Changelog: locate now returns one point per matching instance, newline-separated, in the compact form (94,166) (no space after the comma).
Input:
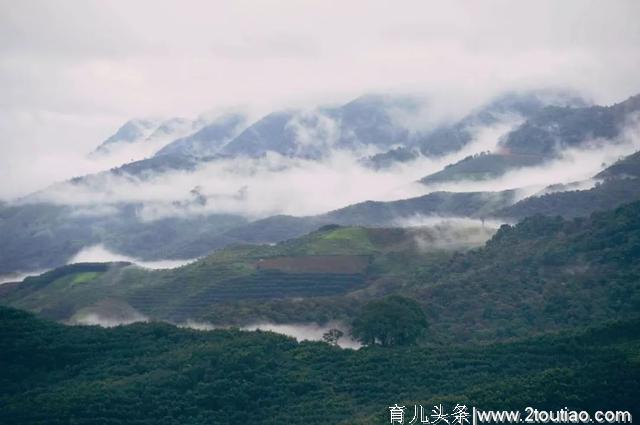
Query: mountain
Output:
(553,129)
(144,136)
(365,121)
(618,188)
(171,128)
(614,186)
(544,313)
(375,122)
(543,137)
(330,261)
(625,168)
(435,204)
(278,228)
(131,132)
(451,137)
(208,140)
(43,232)
(40,235)
(481,166)
(543,274)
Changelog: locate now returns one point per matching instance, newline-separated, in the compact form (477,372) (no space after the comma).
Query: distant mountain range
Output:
(39,232)
(544,136)
(616,185)
(146,133)
(455,136)
(208,140)
(38,236)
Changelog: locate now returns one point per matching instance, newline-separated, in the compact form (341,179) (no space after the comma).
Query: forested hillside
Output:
(160,374)
(545,273)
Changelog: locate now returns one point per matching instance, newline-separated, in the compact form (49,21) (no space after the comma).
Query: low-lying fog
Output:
(300,331)
(100,254)
(449,233)
(269,185)
(276,184)
(19,276)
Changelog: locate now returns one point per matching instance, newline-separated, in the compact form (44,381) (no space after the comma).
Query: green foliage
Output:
(390,321)
(85,277)
(483,166)
(603,196)
(159,374)
(332,336)
(543,274)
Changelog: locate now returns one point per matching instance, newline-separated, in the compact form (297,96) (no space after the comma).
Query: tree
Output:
(332,336)
(393,320)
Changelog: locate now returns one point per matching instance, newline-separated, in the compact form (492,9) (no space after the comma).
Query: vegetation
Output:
(523,321)
(543,274)
(327,263)
(576,203)
(159,374)
(332,336)
(390,321)
(483,166)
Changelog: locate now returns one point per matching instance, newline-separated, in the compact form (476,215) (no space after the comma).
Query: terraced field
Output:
(341,264)
(170,303)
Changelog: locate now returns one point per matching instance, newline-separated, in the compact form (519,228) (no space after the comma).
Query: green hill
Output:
(329,262)
(542,274)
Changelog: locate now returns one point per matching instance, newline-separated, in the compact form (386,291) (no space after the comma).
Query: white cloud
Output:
(307,332)
(72,72)
(574,165)
(19,276)
(100,254)
(274,184)
(450,233)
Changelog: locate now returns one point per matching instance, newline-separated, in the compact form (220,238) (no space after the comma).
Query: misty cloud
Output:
(572,170)
(306,332)
(299,331)
(269,185)
(94,319)
(70,73)
(100,254)
(450,233)
(19,276)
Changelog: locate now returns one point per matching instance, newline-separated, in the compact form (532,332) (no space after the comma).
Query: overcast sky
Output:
(72,71)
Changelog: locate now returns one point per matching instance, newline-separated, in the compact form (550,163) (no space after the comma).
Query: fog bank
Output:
(100,254)
(301,331)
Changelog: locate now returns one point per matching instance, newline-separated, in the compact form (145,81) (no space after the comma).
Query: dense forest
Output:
(156,373)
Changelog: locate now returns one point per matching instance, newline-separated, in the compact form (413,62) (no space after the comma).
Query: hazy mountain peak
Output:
(132,131)
(209,138)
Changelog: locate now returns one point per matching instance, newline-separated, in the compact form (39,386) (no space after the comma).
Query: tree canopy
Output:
(393,320)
